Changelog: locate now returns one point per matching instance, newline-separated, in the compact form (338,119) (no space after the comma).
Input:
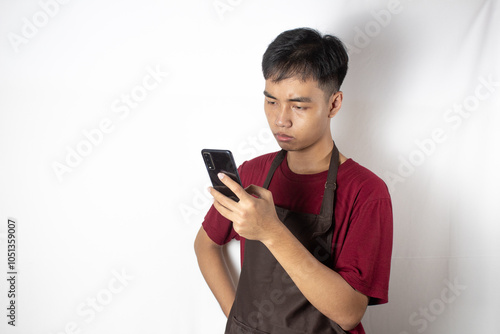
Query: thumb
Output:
(257,191)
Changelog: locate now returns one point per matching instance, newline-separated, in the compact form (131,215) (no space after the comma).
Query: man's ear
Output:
(334,103)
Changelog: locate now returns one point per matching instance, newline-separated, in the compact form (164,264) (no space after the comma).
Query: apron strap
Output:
(327,205)
(276,162)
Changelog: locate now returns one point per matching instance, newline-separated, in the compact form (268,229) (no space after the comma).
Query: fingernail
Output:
(220,175)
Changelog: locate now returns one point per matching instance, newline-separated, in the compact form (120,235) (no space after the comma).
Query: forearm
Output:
(215,271)
(322,286)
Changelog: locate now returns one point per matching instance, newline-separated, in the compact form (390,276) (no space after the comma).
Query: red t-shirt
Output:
(362,238)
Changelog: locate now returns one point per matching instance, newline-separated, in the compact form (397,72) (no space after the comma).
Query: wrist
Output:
(275,233)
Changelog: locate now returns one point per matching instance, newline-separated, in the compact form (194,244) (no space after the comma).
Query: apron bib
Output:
(267,300)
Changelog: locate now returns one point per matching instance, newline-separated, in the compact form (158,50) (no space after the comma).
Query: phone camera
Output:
(208,161)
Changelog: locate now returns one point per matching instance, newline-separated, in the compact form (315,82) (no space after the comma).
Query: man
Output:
(315,227)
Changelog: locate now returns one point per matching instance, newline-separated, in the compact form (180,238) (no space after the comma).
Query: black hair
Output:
(306,54)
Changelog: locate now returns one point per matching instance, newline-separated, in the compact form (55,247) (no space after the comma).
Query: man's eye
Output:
(299,107)
(270,102)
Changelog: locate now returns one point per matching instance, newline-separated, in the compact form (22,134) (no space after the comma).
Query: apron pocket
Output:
(237,327)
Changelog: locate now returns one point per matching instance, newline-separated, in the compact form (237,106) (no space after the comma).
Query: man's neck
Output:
(312,160)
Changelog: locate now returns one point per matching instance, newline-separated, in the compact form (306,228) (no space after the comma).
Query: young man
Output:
(315,227)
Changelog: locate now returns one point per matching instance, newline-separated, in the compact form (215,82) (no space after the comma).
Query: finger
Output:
(225,201)
(225,212)
(233,185)
(257,191)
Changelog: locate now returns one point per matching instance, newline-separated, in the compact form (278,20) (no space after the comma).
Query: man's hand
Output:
(254,216)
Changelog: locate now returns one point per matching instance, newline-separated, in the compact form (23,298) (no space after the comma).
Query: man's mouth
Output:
(282,137)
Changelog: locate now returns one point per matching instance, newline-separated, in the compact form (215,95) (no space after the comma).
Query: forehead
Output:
(294,87)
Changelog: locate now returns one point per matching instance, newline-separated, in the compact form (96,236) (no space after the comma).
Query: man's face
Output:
(298,113)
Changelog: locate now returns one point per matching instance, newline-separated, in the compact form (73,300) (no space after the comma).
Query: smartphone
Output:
(221,161)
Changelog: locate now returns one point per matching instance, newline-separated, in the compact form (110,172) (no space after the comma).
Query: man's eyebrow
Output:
(295,99)
(300,99)
(269,95)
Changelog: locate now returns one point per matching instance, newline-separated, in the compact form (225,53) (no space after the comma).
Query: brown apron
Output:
(267,300)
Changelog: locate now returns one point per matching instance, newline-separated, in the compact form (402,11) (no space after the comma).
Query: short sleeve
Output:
(218,228)
(365,259)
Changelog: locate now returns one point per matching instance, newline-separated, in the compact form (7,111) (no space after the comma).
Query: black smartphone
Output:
(221,161)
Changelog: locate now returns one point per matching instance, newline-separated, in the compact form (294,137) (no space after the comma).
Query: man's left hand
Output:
(254,216)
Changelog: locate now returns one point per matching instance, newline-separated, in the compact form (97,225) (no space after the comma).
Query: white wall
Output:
(417,112)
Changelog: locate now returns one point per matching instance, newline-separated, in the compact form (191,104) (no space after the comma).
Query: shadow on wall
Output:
(374,94)
(373,79)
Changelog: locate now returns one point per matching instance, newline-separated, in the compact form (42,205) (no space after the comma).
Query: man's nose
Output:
(283,117)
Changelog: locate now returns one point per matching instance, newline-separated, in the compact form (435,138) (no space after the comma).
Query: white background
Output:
(131,206)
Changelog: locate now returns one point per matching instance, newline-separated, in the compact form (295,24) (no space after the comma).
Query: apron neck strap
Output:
(331,181)
(327,205)
(276,162)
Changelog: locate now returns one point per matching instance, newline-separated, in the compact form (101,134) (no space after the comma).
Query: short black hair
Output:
(306,54)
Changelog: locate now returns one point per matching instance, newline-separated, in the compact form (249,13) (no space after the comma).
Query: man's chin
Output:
(287,146)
